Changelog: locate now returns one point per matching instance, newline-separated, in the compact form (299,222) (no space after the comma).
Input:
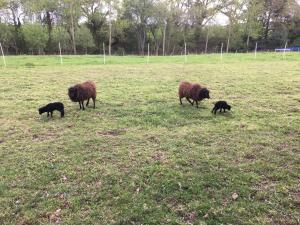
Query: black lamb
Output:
(51,107)
(221,105)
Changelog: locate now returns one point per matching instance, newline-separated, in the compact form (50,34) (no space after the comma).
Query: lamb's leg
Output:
(94,101)
(190,101)
(213,110)
(88,101)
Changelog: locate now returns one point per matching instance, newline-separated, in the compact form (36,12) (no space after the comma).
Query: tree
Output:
(47,11)
(6,36)
(233,9)
(84,39)
(95,15)
(60,35)
(36,37)
(138,13)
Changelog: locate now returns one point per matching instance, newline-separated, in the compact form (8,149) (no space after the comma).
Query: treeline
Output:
(127,26)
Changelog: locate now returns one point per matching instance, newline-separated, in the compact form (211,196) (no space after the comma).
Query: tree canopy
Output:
(126,26)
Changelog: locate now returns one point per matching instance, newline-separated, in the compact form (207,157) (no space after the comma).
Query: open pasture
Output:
(140,157)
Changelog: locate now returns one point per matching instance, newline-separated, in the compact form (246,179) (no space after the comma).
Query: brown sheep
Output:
(192,91)
(81,92)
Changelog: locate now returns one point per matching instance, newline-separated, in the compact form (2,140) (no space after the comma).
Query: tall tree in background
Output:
(253,27)
(233,9)
(46,11)
(95,13)
(14,14)
(70,15)
(138,13)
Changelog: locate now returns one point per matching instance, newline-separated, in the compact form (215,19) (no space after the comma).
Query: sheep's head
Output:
(204,93)
(228,107)
(73,93)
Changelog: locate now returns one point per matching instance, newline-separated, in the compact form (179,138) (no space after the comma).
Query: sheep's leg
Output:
(215,111)
(51,113)
(192,103)
(197,104)
(221,110)
(47,114)
(180,101)
(94,101)
(88,101)
(79,104)
(82,103)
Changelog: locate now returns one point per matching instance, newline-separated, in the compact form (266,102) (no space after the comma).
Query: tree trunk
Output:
(73,30)
(49,27)
(248,38)
(164,38)
(206,43)
(267,26)
(228,39)
(110,25)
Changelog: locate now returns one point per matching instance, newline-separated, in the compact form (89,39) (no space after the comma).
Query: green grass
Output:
(140,157)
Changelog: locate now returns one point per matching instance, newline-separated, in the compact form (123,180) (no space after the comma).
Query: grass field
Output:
(140,157)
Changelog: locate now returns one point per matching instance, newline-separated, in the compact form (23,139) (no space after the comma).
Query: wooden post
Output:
(185,56)
(3,55)
(148,57)
(222,52)
(255,52)
(104,60)
(61,60)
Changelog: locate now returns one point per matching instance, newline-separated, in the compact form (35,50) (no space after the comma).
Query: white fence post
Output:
(3,55)
(284,50)
(222,52)
(185,56)
(148,57)
(255,52)
(61,60)
(104,60)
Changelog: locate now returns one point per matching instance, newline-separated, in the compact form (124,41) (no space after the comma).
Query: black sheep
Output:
(51,107)
(219,106)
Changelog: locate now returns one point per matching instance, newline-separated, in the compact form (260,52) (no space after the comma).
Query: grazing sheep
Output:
(192,91)
(219,106)
(81,92)
(51,107)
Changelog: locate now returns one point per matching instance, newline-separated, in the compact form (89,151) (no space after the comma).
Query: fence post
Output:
(148,56)
(284,50)
(185,56)
(61,60)
(222,52)
(3,55)
(104,59)
(255,52)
